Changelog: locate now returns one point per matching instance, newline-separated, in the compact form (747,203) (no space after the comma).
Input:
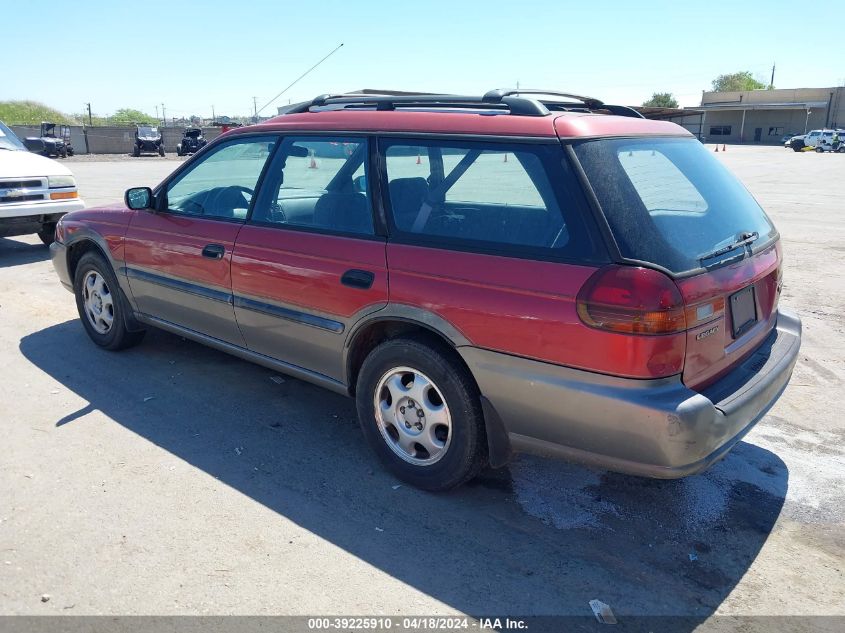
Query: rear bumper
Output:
(654,428)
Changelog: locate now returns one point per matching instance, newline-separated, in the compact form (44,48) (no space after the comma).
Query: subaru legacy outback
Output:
(521,271)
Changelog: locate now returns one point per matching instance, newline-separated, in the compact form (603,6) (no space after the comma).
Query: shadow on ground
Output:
(16,253)
(543,538)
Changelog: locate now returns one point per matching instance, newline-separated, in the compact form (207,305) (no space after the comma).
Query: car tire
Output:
(101,304)
(819,150)
(447,445)
(136,152)
(47,233)
(161,150)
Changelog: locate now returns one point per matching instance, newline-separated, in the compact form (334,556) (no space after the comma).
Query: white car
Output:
(34,191)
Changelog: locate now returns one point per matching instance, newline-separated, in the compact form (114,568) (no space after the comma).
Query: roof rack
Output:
(508,101)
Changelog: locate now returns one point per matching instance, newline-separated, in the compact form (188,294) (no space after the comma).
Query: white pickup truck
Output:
(34,191)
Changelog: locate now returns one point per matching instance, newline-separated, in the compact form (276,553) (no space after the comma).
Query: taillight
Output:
(631,300)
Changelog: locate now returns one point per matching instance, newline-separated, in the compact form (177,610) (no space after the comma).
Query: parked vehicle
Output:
(147,140)
(788,137)
(795,143)
(50,144)
(521,271)
(34,191)
(192,141)
(831,142)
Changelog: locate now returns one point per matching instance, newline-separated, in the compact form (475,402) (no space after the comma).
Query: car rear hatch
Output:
(672,206)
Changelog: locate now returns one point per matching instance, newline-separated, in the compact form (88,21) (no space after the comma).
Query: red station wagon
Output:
(523,271)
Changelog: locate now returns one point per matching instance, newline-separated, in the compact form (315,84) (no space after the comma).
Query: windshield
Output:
(8,140)
(146,130)
(669,201)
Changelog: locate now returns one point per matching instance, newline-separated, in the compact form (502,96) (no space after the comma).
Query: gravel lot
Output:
(173,479)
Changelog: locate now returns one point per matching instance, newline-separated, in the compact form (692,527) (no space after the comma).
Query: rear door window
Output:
(501,197)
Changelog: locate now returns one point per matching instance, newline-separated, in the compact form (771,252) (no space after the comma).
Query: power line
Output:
(337,48)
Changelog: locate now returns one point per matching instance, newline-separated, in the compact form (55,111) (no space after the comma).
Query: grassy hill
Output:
(31,113)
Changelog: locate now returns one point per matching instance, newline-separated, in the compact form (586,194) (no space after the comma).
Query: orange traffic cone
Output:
(717,148)
(313,163)
(724,149)
(418,160)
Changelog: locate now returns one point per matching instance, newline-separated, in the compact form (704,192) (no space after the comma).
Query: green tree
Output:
(126,116)
(662,100)
(742,80)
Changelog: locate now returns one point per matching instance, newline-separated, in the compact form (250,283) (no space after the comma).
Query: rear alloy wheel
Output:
(421,414)
(412,417)
(101,305)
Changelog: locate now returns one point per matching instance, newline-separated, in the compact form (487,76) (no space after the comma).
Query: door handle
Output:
(358,279)
(213,251)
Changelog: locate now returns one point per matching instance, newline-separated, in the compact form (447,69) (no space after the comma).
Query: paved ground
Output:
(172,479)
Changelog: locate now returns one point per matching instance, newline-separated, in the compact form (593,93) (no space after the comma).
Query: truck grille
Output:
(16,190)
(24,198)
(20,184)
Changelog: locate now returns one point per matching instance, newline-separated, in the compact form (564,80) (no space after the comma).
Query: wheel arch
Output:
(90,242)
(441,335)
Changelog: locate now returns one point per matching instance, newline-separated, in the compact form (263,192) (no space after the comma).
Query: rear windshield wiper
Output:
(745,238)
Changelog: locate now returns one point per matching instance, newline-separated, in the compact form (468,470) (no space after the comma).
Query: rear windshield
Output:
(670,202)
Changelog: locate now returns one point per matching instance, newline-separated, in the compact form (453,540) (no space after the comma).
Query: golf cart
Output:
(50,144)
(192,141)
(147,139)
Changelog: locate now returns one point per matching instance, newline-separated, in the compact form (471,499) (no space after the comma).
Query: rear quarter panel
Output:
(523,307)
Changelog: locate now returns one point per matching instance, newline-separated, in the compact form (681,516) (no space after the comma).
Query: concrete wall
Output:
(77,138)
(120,140)
(111,140)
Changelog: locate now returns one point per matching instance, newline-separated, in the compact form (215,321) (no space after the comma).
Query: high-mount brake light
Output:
(632,300)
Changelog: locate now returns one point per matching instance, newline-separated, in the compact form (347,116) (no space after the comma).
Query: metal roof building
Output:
(765,116)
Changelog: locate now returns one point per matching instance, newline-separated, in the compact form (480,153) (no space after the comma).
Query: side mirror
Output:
(138,198)
(360,184)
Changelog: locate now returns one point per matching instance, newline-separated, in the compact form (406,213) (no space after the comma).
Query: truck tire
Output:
(47,233)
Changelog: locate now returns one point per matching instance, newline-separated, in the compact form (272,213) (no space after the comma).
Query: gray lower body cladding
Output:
(654,428)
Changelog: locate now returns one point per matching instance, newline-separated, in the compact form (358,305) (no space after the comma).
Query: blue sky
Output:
(134,54)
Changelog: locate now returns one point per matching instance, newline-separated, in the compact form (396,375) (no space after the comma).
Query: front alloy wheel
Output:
(98,302)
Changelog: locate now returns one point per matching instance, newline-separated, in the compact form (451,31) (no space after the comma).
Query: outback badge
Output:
(709,332)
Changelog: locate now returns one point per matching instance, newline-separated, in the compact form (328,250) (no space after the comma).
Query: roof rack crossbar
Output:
(511,101)
(525,107)
(493,96)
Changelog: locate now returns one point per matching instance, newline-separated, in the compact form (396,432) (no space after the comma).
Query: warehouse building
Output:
(766,116)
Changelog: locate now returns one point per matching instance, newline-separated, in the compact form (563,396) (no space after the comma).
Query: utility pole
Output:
(156,112)
(163,116)
(255,109)
(772,82)
(213,116)
(90,123)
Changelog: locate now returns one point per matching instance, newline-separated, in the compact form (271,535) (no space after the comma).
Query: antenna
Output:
(337,48)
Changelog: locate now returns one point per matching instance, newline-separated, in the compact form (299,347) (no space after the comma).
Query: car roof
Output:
(483,123)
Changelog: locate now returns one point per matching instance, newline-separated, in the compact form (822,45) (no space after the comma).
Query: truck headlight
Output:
(56,182)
